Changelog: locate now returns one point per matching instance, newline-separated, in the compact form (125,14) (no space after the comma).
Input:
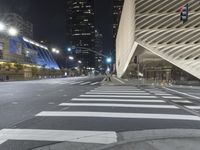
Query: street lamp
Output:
(69,49)
(57,52)
(12,31)
(54,50)
(80,62)
(108,60)
(71,58)
(2,26)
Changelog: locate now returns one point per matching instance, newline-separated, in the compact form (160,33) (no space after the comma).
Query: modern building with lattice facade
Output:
(155,42)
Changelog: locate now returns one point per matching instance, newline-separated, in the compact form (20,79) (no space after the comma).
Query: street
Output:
(81,110)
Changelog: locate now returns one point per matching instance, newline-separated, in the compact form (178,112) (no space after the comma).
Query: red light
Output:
(180,9)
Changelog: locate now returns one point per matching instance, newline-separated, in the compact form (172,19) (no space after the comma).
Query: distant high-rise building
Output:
(117,9)
(24,27)
(80,30)
(99,49)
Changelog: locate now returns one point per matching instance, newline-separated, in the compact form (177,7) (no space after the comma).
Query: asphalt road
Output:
(37,113)
(21,100)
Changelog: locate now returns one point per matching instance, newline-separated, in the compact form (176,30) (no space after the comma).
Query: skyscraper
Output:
(99,49)
(80,29)
(117,9)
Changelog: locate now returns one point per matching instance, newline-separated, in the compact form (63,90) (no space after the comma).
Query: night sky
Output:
(48,18)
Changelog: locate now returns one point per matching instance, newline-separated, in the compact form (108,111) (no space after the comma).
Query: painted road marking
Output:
(15,103)
(73,83)
(119,93)
(119,100)
(51,103)
(118,115)
(119,96)
(113,91)
(63,83)
(85,83)
(183,93)
(119,105)
(118,90)
(172,97)
(162,94)
(193,107)
(115,87)
(95,83)
(182,101)
(100,137)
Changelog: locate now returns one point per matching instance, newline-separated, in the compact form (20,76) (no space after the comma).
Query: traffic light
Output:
(184,13)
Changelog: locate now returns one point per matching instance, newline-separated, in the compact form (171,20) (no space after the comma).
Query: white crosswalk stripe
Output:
(163,94)
(117,93)
(95,83)
(119,100)
(193,107)
(171,97)
(118,96)
(118,115)
(119,105)
(73,83)
(181,101)
(84,83)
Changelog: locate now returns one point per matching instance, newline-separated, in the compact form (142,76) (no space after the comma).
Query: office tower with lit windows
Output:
(99,49)
(80,31)
(117,10)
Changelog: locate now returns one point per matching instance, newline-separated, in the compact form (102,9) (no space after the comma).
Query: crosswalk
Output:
(66,82)
(105,110)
